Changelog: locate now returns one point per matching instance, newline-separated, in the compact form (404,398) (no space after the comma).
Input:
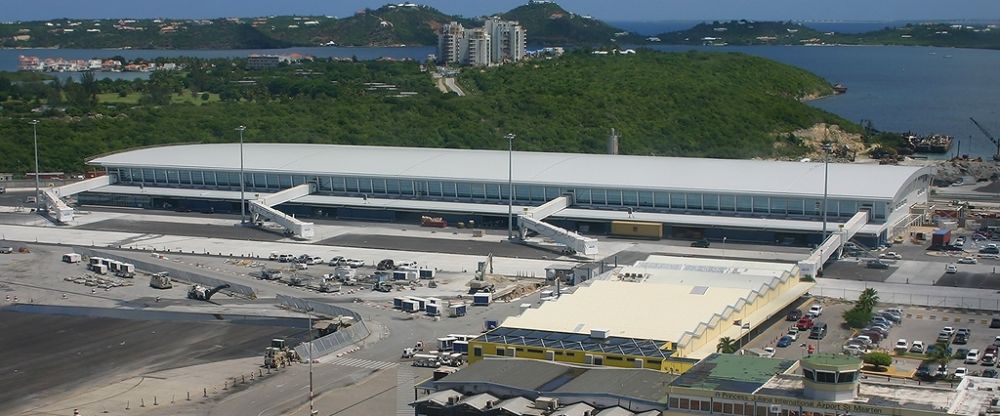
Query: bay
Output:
(925,90)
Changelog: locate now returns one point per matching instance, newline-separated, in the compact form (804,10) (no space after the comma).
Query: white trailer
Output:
(71,258)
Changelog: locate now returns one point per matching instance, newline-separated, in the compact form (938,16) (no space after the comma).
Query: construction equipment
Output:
(996,156)
(160,280)
(382,287)
(199,292)
(279,355)
(270,274)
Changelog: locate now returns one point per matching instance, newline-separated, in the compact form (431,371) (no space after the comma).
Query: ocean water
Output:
(899,88)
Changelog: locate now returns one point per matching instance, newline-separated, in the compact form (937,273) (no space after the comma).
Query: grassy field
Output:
(133,98)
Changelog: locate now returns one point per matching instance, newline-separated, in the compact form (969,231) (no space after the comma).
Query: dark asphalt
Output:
(849,270)
(48,354)
(970,280)
(476,248)
(234,231)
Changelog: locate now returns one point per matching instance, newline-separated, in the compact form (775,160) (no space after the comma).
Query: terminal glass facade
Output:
(621,198)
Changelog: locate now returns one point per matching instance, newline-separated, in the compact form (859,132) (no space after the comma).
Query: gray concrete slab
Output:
(185,229)
(479,248)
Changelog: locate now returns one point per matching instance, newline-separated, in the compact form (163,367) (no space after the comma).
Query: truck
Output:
(941,237)
(160,280)
(279,354)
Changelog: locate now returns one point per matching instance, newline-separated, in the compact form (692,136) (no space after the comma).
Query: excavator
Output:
(279,354)
(199,292)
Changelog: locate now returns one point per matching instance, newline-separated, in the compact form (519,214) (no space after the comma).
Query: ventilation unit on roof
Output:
(599,333)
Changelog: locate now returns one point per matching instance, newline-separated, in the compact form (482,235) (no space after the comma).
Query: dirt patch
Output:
(845,144)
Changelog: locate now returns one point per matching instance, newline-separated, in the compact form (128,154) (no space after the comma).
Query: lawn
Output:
(133,98)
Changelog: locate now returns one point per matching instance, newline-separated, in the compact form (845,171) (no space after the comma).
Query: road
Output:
(452,85)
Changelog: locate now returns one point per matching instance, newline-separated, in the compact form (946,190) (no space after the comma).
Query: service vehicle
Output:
(892,255)
(968,260)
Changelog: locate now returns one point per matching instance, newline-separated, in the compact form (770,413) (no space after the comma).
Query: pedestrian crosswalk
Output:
(404,384)
(359,363)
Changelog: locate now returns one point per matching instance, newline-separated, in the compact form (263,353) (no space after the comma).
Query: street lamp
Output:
(510,185)
(827,147)
(312,410)
(38,196)
(243,213)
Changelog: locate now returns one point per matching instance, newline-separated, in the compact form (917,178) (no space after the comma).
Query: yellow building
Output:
(665,313)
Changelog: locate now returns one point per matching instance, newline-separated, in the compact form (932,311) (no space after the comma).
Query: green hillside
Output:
(742,32)
(387,26)
(686,104)
(550,24)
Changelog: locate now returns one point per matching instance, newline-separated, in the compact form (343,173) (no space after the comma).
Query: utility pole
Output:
(826,182)
(38,196)
(510,185)
(243,209)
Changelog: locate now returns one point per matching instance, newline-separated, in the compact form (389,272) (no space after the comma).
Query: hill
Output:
(685,104)
(549,24)
(389,25)
(743,32)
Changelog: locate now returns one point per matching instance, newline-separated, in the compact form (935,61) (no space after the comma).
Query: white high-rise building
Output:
(509,39)
(497,42)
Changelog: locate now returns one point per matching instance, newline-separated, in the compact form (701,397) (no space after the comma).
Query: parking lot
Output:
(918,324)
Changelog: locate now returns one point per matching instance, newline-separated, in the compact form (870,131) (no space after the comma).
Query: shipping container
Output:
(941,237)
(455,311)
(433,309)
(411,306)
(482,299)
(650,230)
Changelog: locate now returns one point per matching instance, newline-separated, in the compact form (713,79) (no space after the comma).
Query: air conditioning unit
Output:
(639,362)
(599,333)
(588,359)
(511,352)
(550,355)
(547,403)
(452,400)
(774,409)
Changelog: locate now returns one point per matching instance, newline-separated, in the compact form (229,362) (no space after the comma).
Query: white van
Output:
(972,357)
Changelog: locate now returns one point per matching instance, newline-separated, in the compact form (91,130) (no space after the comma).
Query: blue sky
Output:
(641,10)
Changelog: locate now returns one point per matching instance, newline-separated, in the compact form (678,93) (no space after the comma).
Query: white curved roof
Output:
(571,169)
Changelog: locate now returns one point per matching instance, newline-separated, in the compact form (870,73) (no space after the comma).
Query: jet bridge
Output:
(532,218)
(57,208)
(834,244)
(261,210)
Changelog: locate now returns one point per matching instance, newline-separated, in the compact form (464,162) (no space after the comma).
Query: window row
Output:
(740,409)
(662,201)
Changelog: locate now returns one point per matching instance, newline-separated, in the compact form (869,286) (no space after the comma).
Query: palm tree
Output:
(868,299)
(726,345)
(940,354)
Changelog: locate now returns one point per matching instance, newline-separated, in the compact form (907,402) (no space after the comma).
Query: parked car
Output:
(877,264)
(854,349)
(785,341)
(386,264)
(805,323)
(959,242)
(793,333)
(315,260)
(793,315)
(960,372)
(285,258)
(961,339)
(864,339)
(902,345)
(951,269)
(6,250)
(337,261)
(968,260)
(917,347)
(890,255)
(944,337)
(703,243)
(816,310)
(972,357)
(964,331)
(876,337)
(990,373)
(989,250)
(995,323)
(925,371)
(354,263)
(769,352)
(942,371)
(989,360)
(895,319)
(948,330)
(818,331)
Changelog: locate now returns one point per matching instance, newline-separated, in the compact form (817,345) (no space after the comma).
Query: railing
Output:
(332,342)
(932,301)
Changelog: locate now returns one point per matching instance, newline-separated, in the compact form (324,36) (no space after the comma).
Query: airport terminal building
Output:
(743,200)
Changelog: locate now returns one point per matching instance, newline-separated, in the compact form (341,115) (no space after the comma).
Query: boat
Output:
(937,143)
(839,88)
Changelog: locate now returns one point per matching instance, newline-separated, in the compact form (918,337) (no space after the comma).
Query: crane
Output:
(988,136)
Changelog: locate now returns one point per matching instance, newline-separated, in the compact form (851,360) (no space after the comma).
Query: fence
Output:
(176,273)
(931,301)
(332,342)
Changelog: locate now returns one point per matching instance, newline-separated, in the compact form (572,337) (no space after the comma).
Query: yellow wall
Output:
(579,357)
(652,230)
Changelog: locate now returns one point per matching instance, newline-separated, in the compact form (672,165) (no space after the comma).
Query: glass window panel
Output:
(630,198)
(614,197)
(365,185)
(464,190)
(598,197)
(392,186)
(259,180)
(326,184)
(448,189)
(125,175)
(582,195)
(693,201)
(284,181)
(779,206)
(645,198)
(537,193)
(434,188)
(173,177)
(662,199)
(552,192)
(339,185)
(298,180)
(677,201)
(161,176)
(493,191)
(378,186)
(727,202)
(744,203)
(761,204)
(198,177)
(479,190)
(795,206)
(522,192)
(406,187)
(710,202)
(825,377)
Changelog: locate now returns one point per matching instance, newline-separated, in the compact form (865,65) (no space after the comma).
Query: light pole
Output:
(38,196)
(826,181)
(243,212)
(510,185)
(312,410)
